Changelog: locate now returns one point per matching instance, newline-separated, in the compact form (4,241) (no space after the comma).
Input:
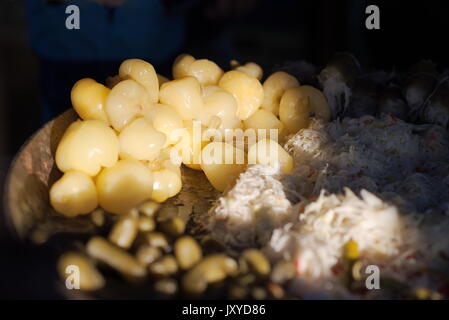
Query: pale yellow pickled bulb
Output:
(222,163)
(143,73)
(89,100)
(318,103)
(117,258)
(215,122)
(153,165)
(74,194)
(210,90)
(149,208)
(126,101)
(234,63)
(165,161)
(181,66)
(111,82)
(207,72)
(274,87)
(161,79)
(87,146)
(172,166)
(247,91)
(124,186)
(295,109)
(263,119)
(124,231)
(166,120)
(240,138)
(269,152)
(190,145)
(166,184)
(140,140)
(252,69)
(220,104)
(184,96)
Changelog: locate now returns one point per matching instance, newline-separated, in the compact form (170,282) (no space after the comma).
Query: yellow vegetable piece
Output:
(98,217)
(89,100)
(181,66)
(184,96)
(247,91)
(234,63)
(222,163)
(124,231)
(74,194)
(124,186)
(139,140)
(318,103)
(257,262)
(422,293)
(252,69)
(274,87)
(87,146)
(127,101)
(212,268)
(117,258)
(166,184)
(187,252)
(295,109)
(90,279)
(219,105)
(205,71)
(165,161)
(356,270)
(190,145)
(263,119)
(269,152)
(351,250)
(166,120)
(143,73)
(146,224)
(149,208)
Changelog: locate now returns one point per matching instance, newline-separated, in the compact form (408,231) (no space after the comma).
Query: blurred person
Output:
(112,31)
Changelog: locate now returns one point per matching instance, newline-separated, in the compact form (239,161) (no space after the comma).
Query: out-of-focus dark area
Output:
(264,31)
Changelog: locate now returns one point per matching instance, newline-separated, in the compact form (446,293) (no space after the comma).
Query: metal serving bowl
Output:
(33,170)
(30,217)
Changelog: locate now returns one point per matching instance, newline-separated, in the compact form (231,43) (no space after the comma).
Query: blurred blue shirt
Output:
(137,29)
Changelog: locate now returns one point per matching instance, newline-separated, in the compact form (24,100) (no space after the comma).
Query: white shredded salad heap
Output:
(327,224)
(380,182)
(251,210)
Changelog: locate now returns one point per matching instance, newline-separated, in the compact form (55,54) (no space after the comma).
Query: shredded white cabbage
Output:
(250,211)
(383,155)
(381,182)
(327,224)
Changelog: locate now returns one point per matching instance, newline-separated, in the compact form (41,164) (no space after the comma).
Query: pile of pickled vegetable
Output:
(360,179)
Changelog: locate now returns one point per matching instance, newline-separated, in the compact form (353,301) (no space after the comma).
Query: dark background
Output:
(273,32)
